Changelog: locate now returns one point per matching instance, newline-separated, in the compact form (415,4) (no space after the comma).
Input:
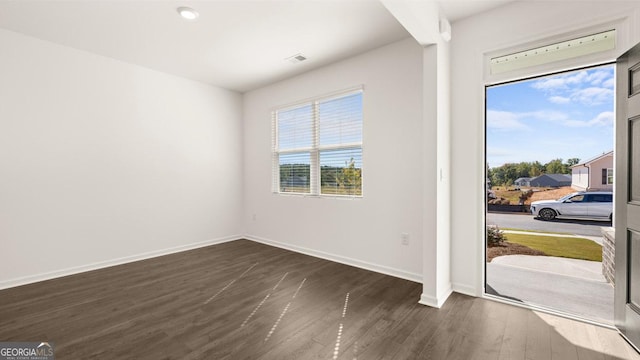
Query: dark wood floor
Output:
(243,300)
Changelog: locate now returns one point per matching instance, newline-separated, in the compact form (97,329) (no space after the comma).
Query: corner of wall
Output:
(437,301)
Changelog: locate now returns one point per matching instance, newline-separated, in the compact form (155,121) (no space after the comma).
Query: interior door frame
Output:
(485,294)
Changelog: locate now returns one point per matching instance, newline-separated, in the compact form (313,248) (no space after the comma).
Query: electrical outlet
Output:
(404,239)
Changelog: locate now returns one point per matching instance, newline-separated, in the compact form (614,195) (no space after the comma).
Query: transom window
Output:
(317,146)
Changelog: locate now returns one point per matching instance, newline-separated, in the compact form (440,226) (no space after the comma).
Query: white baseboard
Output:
(465,289)
(105,264)
(436,302)
(340,259)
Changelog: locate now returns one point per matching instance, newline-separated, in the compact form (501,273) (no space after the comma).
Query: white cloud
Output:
(597,77)
(593,87)
(559,100)
(593,96)
(546,115)
(505,121)
(561,82)
(550,84)
(605,118)
(511,121)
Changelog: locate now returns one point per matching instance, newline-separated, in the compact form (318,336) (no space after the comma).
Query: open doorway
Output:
(550,160)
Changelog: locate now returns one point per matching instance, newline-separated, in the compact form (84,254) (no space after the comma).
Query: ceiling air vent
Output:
(296,58)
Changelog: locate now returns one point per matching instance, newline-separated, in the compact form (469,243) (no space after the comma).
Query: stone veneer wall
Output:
(609,254)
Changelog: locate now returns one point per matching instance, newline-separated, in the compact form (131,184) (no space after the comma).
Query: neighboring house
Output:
(551,180)
(523,181)
(593,174)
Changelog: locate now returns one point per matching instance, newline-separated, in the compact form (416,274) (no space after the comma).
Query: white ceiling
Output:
(459,9)
(239,45)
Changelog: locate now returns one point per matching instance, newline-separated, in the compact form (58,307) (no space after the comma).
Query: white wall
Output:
(364,232)
(103,162)
(580,178)
(502,28)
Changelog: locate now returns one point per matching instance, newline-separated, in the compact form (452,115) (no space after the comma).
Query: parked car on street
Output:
(579,205)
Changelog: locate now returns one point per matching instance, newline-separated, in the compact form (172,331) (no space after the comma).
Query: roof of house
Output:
(555,177)
(524,179)
(560,177)
(593,159)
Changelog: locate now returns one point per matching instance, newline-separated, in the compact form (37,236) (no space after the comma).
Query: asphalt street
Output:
(528,222)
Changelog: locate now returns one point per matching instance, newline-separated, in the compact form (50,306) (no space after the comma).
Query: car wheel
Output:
(547,214)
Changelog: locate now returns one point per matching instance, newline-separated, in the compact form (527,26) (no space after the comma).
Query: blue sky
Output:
(569,115)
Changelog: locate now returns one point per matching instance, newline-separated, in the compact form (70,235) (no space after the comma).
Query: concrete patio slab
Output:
(568,285)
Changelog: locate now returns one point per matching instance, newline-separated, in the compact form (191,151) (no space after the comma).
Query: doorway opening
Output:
(549,202)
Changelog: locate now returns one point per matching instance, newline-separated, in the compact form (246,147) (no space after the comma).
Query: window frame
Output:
(607,174)
(315,171)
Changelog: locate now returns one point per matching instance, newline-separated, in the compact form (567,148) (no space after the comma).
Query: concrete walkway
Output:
(582,269)
(569,285)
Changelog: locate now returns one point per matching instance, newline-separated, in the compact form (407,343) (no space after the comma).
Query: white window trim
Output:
(618,23)
(314,150)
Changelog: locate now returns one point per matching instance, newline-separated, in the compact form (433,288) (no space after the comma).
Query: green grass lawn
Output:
(574,248)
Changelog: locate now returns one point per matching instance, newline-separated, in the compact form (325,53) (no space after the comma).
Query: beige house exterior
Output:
(593,174)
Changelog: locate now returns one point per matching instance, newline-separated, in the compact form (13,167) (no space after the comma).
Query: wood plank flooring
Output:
(244,300)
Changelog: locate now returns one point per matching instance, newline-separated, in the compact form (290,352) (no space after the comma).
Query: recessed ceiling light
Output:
(188,13)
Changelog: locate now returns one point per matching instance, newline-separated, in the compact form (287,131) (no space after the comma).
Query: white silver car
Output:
(580,205)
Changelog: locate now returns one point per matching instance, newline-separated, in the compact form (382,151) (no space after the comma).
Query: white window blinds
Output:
(317,146)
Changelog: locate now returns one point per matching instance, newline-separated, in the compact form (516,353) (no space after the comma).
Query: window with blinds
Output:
(317,146)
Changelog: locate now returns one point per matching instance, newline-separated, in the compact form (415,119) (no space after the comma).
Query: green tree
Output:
(572,161)
(351,178)
(536,169)
(556,166)
(523,169)
(504,175)
(490,174)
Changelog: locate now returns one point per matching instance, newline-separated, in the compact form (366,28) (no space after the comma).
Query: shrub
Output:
(495,236)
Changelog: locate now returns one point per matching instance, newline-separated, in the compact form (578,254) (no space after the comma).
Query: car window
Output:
(565,198)
(577,198)
(602,198)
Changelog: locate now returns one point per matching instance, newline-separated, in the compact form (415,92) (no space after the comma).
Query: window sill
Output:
(340,197)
